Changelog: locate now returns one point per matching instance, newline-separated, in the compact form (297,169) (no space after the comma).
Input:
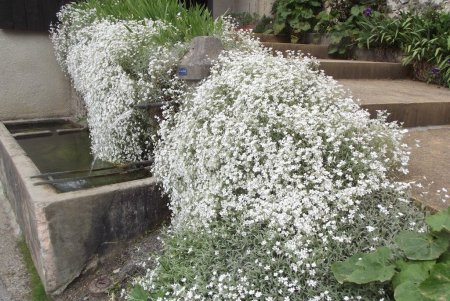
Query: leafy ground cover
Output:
(419,268)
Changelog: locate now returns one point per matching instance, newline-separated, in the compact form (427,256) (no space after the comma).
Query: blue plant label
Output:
(182,71)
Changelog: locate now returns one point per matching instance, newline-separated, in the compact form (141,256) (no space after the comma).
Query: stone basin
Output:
(64,231)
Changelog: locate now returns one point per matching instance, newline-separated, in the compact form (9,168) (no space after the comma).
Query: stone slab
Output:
(196,64)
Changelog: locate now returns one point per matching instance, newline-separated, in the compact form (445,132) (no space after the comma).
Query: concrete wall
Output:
(397,6)
(260,7)
(32,84)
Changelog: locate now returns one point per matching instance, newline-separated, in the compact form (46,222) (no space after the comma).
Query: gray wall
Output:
(32,84)
(397,6)
(260,7)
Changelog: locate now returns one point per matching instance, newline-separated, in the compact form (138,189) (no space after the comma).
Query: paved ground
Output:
(396,91)
(4,294)
(430,165)
(14,284)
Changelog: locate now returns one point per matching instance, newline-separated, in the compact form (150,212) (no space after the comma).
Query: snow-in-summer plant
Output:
(116,65)
(274,173)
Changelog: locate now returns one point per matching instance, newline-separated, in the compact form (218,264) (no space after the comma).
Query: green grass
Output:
(37,289)
(189,23)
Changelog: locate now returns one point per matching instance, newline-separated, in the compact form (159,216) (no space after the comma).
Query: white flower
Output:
(370,229)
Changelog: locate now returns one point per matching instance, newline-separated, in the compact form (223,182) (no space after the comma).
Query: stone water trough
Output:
(65,228)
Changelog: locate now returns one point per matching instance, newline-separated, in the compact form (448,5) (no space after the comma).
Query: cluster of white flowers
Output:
(271,143)
(264,133)
(116,65)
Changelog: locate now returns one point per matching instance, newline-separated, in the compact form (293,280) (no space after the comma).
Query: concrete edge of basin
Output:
(65,230)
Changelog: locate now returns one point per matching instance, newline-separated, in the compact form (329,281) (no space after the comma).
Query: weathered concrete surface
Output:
(32,84)
(197,63)
(397,6)
(346,69)
(63,231)
(430,165)
(411,102)
(14,278)
(260,7)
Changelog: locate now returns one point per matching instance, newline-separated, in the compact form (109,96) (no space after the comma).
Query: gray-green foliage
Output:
(422,264)
(192,258)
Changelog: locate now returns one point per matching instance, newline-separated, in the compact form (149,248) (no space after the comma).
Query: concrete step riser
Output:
(269,38)
(365,70)
(342,69)
(414,114)
(318,51)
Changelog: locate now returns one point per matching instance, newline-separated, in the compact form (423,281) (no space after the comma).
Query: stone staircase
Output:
(422,108)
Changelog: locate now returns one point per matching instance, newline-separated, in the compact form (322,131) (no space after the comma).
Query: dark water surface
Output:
(68,152)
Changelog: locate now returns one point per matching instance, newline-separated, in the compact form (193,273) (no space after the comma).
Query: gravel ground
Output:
(14,278)
(113,270)
(4,294)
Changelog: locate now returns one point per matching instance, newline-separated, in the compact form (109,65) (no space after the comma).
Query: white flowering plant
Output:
(274,173)
(118,60)
(116,65)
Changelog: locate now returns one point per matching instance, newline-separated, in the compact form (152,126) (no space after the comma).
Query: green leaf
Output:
(412,271)
(332,49)
(356,10)
(138,294)
(301,26)
(448,43)
(278,27)
(408,291)
(445,258)
(421,246)
(439,221)
(437,286)
(364,268)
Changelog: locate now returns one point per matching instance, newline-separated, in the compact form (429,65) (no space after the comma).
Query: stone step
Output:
(318,51)
(271,38)
(348,69)
(345,69)
(413,103)
(430,165)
